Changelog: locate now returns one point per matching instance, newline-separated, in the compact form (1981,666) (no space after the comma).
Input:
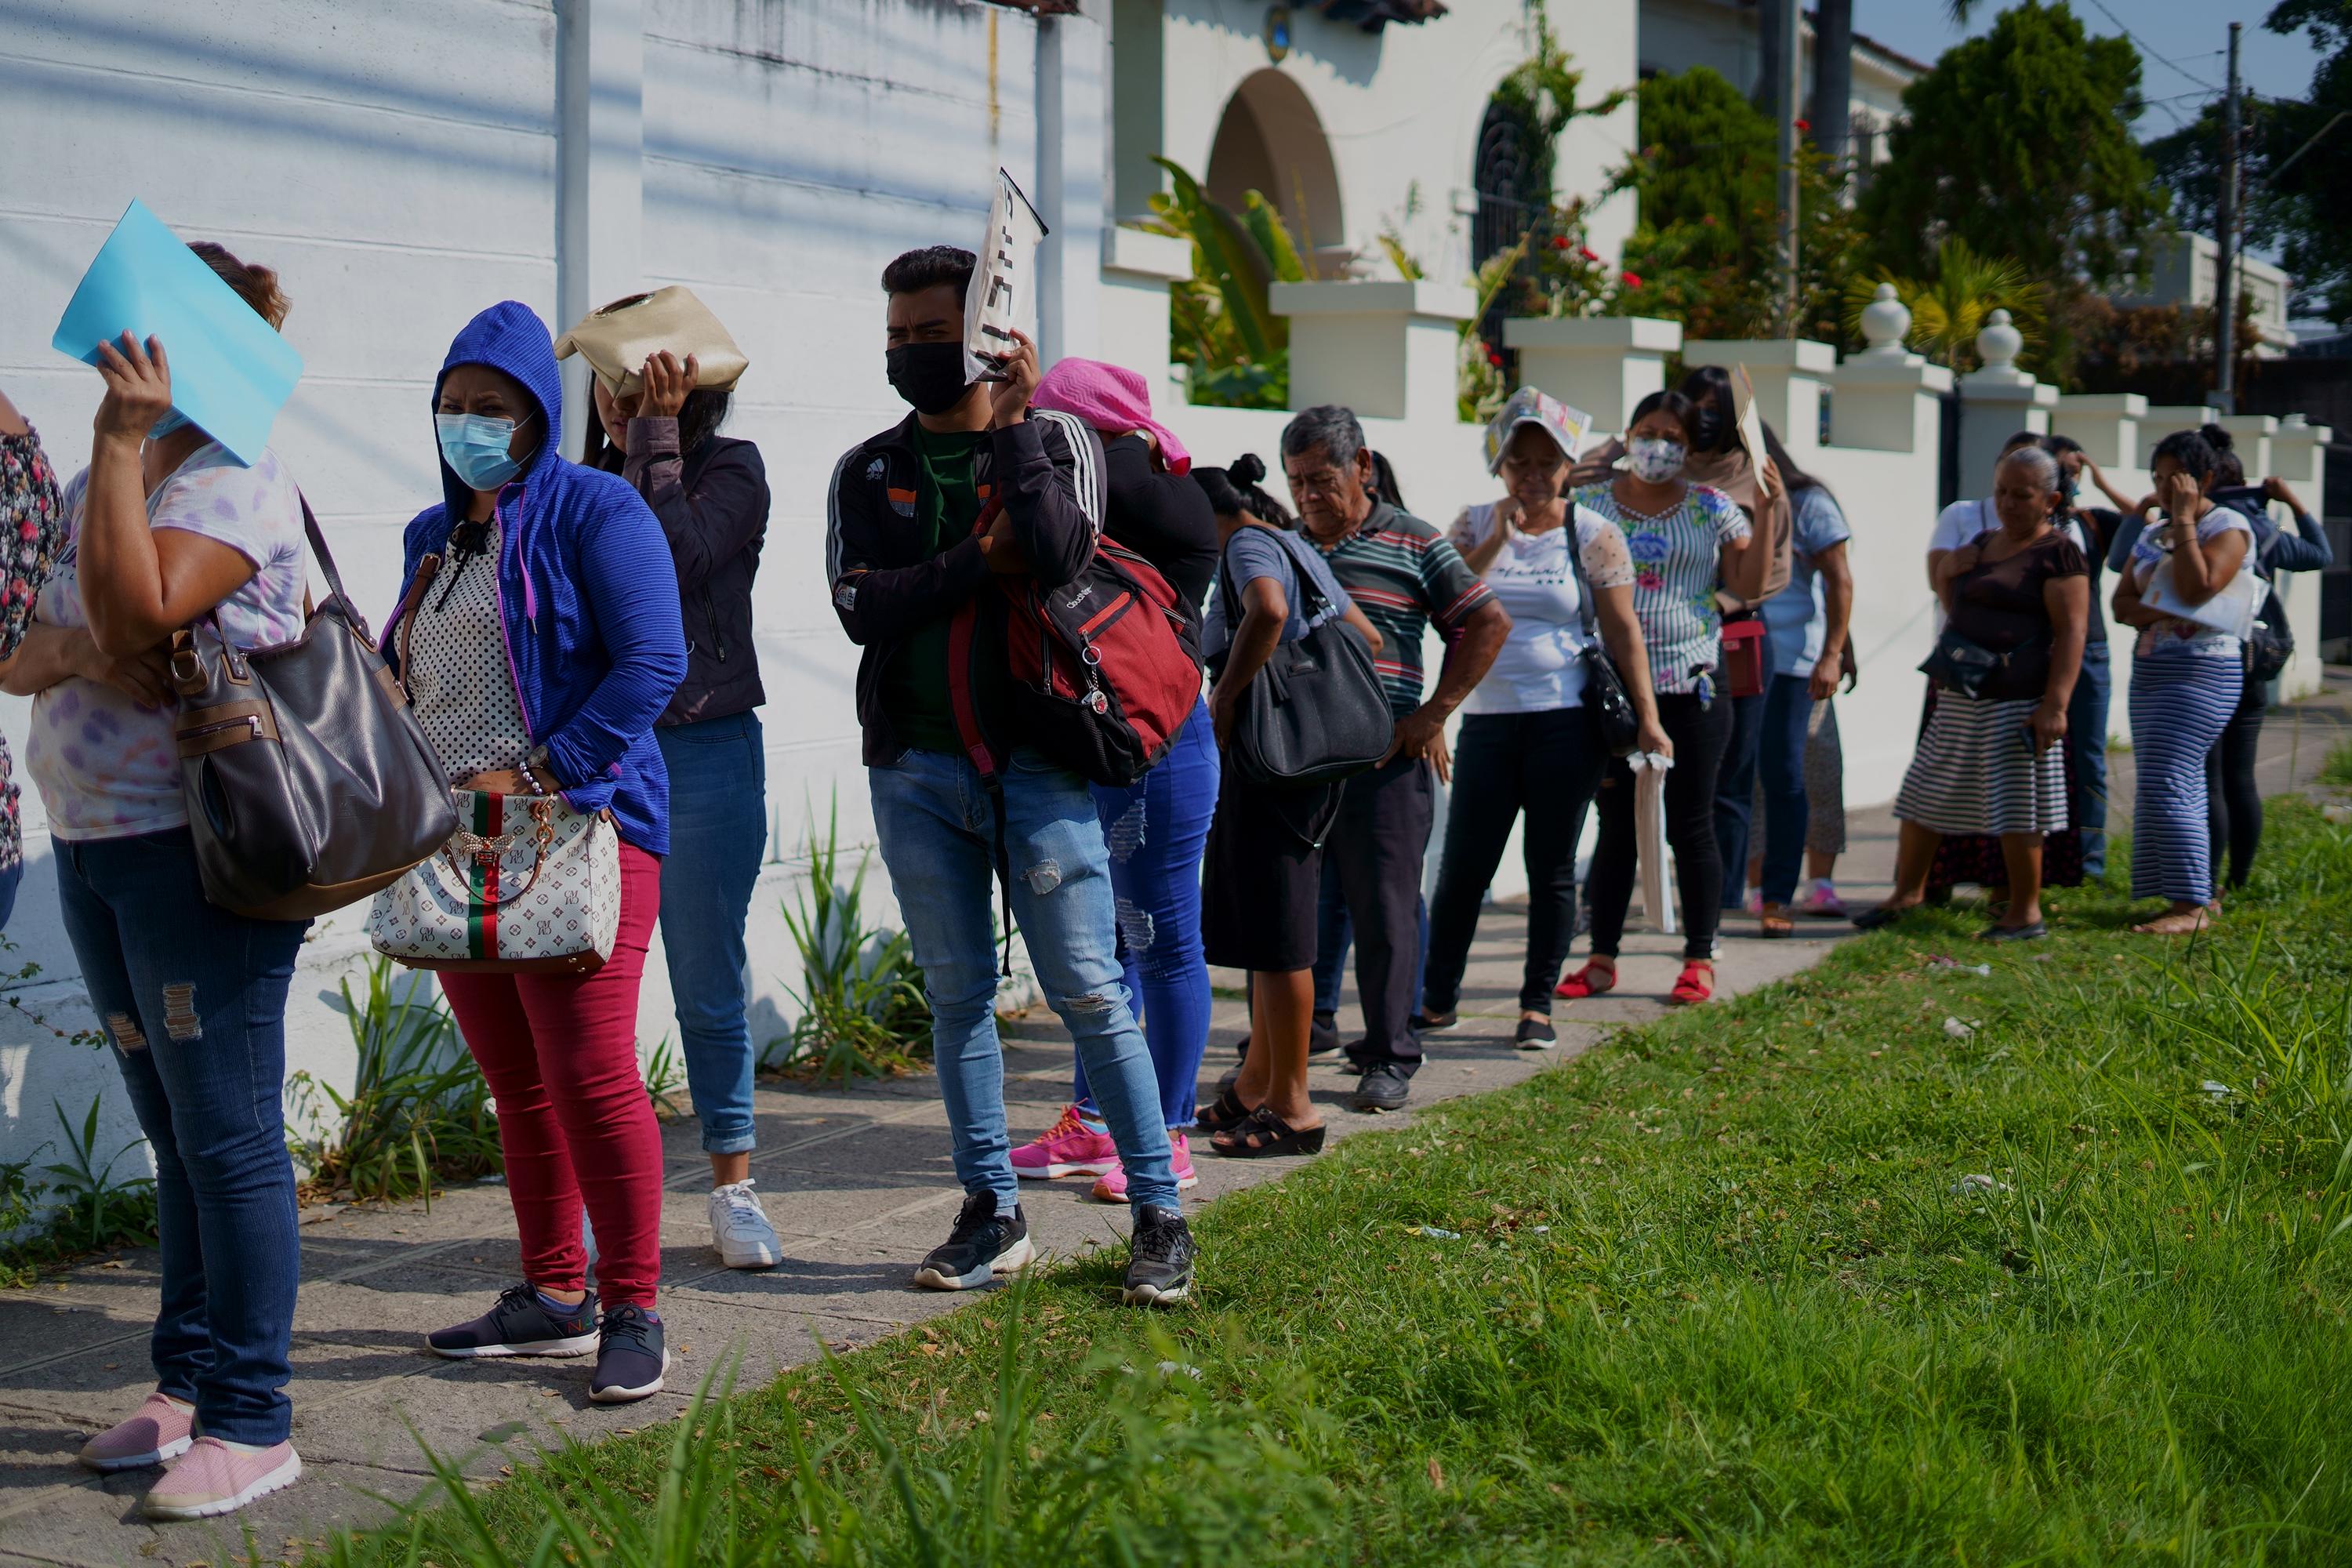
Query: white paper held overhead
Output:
(1003,293)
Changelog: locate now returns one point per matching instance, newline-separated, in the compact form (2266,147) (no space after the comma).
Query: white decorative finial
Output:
(1885,321)
(1999,344)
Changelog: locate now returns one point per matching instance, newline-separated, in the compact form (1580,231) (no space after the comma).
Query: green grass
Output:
(2337,768)
(1722,1291)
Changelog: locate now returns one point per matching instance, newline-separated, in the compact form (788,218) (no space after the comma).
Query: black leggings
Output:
(1699,733)
(2233,804)
(1544,765)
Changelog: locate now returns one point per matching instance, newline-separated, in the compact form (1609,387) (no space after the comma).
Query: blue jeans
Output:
(1735,781)
(937,830)
(1335,935)
(2086,748)
(1781,760)
(192,999)
(10,879)
(717,837)
(1156,831)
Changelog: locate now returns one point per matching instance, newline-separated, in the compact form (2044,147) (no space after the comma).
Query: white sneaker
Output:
(740,1226)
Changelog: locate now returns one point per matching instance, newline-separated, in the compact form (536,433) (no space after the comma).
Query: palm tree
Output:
(1948,310)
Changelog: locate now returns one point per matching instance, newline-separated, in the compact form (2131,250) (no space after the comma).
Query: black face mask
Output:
(927,375)
(1706,434)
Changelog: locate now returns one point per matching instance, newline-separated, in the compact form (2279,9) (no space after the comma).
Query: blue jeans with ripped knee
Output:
(1157,829)
(192,999)
(938,831)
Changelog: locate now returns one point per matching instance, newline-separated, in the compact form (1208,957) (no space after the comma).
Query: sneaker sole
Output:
(580,1345)
(1155,1295)
(1536,1044)
(628,1396)
(765,1257)
(1057,1170)
(171,1451)
(1012,1261)
(285,1475)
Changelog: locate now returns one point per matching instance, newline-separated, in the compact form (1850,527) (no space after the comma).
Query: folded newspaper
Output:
(1003,293)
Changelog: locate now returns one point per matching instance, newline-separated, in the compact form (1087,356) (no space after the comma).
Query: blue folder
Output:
(231,372)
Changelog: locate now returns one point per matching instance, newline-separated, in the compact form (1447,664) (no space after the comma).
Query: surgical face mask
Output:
(173,420)
(1654,459)
(1708,436)
(475,445)
(930,376)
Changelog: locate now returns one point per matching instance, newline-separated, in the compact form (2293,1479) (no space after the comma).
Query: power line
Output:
(2148,53)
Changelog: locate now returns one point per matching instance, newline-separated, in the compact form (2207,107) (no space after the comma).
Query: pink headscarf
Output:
(1113,399)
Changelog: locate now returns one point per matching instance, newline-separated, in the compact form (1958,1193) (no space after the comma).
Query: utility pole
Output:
(2226,246)
(1833,84)
(1781,59)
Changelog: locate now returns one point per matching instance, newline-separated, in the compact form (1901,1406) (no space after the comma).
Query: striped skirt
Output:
(2179,705)
(1976,771)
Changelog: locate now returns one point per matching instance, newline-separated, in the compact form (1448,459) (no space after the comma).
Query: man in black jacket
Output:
(974,484)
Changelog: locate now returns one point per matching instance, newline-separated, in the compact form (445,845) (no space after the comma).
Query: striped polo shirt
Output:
(1405,575)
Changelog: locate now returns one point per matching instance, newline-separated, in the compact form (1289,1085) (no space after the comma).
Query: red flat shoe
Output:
(1693,986)
(1586,982)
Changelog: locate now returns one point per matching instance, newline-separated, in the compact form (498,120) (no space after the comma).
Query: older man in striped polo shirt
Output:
(1405,575)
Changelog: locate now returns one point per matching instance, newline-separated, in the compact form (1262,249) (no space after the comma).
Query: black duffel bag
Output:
(308,782)
(1316,713)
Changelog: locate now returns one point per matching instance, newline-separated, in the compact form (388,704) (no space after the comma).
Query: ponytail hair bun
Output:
(1248,469)
(2220,439)
(255,284)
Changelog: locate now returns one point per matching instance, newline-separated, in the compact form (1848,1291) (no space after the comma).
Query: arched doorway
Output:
(1512,184)
(1270,140)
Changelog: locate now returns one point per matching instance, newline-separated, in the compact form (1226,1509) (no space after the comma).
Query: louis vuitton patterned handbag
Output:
(525,885)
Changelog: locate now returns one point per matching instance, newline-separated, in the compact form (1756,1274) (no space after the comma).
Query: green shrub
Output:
(862,1014)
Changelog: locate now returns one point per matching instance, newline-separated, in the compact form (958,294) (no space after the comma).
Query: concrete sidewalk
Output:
(858,1183)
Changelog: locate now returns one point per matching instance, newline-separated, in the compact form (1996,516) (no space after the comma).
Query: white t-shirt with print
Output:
(1540,666)
(108,766)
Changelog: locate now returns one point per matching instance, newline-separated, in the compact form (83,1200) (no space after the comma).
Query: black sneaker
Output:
(987,1241)
(630,1356)
(1323,1034)
(1432,1022)
(1383,1087)
(520,1324)
(1160,1259)
(1536,1034)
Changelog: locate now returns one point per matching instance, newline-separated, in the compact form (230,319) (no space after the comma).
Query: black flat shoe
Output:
(1879,915)
(1323,1034)
(2033,933)
(1535,1035)
(1432,1024)
(1264,1135)
(1229,1111)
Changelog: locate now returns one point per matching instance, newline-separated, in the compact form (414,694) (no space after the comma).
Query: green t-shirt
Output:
(914,681)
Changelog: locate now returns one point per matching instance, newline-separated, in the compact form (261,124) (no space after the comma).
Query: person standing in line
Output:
(1805,627)
(32,532)
(1689,540)
(1824,779)
(2092,529)
(165,527)
(2186,680)
(1992,762)
(1405,576)
(1260,882)
(1157,827)
(911,580)
(538,664)
(709,493)
(1528,742)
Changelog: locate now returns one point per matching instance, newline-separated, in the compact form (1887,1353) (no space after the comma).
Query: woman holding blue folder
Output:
(165,527)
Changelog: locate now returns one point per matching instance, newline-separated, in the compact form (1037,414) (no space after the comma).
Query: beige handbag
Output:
(618,339)
(525,885)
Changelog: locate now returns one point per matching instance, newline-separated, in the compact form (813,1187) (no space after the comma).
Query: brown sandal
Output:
(1263,1134)
(1776,921)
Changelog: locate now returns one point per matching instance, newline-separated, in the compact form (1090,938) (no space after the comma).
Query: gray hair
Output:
(2038,462)
(1326,426)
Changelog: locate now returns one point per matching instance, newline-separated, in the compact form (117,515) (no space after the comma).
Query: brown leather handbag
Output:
(308,782)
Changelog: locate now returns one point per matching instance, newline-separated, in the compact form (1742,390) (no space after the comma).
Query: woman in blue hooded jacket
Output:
(537,664)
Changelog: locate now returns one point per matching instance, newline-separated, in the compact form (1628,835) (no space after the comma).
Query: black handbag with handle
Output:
(1615,725)
(308,782)
(1315,713)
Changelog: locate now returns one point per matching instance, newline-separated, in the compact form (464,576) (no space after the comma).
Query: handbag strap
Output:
(1585,615)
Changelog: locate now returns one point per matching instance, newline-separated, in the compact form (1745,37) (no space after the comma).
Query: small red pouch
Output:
(1743,656)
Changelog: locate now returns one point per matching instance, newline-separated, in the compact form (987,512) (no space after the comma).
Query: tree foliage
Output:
(2302,210)
(2019,142)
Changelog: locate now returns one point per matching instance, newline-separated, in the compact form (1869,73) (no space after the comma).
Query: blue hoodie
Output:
(595,657)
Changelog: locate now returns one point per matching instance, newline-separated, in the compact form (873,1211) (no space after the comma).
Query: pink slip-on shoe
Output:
(213,1477)
(1069,1148)
(1110,1187)
(1822,901)
(160,1429)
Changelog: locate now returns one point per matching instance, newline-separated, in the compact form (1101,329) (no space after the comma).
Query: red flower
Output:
(1707,219)
(1630,280)
(1493,359)
(1559,242)
(1586,251)
(1805,125)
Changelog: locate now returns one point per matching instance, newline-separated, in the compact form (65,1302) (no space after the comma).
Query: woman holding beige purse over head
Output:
(663,372)
(538,664)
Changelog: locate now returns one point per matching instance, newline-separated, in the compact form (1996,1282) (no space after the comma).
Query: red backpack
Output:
(1105,667)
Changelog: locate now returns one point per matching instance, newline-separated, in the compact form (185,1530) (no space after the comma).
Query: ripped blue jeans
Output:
(938,832)
(1157,830)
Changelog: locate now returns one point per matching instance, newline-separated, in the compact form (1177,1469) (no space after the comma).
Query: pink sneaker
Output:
(1069,1149)
(1821,900)
(213,1477)
(1110,1187)
(160,1429)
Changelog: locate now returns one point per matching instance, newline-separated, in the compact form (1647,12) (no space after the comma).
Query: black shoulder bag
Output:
(1615,726)
(1315,714)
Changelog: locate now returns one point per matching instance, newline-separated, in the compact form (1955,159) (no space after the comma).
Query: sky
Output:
(2184,45)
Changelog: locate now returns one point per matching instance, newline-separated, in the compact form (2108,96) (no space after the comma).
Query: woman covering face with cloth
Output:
(663,373)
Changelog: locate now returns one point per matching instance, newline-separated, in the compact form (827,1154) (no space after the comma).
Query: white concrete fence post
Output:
(1138,267)
(1789,375)
(1997,402)
(1601,365)
(1387,350)
(1885,399)
(2298,454)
